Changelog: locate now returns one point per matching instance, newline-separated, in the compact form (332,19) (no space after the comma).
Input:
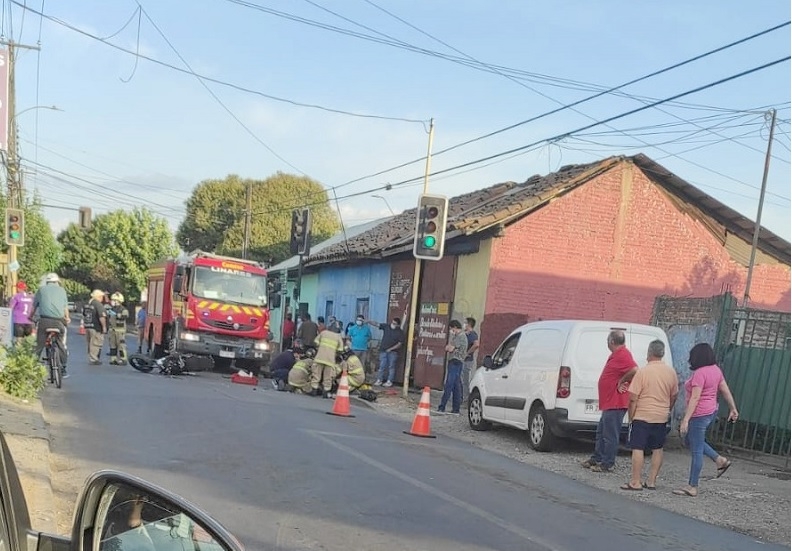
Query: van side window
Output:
(506,351)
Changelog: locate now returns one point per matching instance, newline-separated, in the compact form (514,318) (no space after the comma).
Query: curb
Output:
(28,438)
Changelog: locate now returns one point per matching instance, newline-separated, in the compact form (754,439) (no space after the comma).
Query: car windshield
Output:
(229,286)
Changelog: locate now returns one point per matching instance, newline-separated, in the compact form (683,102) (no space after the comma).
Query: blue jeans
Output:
(607,444)
(453,386)
(695,439)
(387,366)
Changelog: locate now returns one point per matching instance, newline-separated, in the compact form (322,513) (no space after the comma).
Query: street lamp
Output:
(386,203)
(50,107)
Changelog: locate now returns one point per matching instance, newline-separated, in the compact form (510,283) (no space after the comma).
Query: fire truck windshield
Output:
(229,285)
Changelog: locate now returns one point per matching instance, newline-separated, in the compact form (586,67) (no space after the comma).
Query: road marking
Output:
(411,442)
(472,509)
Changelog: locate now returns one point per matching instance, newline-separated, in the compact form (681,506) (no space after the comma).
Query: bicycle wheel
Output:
(55,369)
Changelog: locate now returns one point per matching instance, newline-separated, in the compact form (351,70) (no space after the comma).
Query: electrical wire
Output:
(215,80)
(569,134)
(394,42)
(215,96)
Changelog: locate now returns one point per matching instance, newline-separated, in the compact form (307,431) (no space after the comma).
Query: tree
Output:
(41,252)
(215,218)
(117,251)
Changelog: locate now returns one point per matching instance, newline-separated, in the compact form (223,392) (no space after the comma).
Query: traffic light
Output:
(85,218)
(15,227)
(430,227)
(301,232)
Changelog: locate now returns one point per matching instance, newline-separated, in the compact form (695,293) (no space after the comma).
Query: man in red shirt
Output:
(288,332)
(613,402)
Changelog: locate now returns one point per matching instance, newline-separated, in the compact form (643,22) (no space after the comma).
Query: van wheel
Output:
(539,436)
(476,412)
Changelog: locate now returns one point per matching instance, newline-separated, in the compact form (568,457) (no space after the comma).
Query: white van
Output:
(543,377)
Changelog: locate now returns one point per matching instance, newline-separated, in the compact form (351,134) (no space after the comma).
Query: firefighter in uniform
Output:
(300,373)
(325,369)
(118,316)
(356,375)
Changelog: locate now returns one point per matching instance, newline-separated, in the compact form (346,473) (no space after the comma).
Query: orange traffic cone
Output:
(341,404)
(82,328)
(420,426)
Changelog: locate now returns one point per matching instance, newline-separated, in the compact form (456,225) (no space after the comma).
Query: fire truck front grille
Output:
(230,325)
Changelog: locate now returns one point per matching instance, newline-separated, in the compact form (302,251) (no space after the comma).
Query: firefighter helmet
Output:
(118,297)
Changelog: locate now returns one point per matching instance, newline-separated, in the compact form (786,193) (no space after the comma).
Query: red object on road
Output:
(244,379)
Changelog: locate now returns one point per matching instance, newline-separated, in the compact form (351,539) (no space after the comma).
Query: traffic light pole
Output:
(15,193)
(416,277)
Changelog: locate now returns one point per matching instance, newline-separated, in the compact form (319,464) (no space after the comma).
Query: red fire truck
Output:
(209,305)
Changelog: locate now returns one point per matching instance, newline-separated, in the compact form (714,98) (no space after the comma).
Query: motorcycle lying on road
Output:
(172,365)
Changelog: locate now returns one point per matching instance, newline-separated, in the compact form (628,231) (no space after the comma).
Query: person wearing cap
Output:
(51,304)
(359,337)
(300,373)
(21,306)
(95,321)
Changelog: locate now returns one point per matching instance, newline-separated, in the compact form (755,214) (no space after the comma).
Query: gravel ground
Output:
(751,498)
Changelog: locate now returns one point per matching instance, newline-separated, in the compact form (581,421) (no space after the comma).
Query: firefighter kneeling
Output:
(356,375)
(117,316)
(300,373)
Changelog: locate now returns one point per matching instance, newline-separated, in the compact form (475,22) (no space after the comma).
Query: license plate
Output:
(227,354)
(592,406)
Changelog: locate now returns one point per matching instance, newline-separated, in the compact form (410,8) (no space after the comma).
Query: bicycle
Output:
(52,347)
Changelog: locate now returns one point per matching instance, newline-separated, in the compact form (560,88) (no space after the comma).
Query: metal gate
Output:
(753,350)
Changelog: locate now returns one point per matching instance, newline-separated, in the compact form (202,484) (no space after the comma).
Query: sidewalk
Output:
(27,435)
(752,498)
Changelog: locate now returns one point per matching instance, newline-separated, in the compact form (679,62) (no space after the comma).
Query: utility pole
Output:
(758,227)
(15,189)
(248,215)
(416,276)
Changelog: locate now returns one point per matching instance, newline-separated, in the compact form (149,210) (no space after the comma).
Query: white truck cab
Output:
(543,377)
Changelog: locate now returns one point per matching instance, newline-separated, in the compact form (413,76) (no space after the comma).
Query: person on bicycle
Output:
(118,316)
(52,307)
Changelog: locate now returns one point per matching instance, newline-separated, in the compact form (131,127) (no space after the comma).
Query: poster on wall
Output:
(399,296)
(432,339)
(6,327)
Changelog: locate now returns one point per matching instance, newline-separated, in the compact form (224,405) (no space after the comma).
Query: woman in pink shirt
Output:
(702,390)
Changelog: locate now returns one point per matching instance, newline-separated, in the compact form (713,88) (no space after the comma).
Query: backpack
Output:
(88,316)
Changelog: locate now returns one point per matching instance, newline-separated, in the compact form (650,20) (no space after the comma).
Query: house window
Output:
(328,313)
(362,308)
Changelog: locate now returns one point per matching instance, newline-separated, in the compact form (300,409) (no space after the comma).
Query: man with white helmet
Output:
(118,316)
(51,305)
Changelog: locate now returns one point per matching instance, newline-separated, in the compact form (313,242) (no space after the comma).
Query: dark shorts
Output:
(23,329)
(646,436)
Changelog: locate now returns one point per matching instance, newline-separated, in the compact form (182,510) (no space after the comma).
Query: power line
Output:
(557,137)
(215,96)
(400,44)
(214,80)
(564,107)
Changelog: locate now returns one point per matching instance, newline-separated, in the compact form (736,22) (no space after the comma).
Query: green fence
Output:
(753,349)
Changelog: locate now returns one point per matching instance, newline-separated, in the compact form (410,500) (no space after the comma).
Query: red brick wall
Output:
(592,255)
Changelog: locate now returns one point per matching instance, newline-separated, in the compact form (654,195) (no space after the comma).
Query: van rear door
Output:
(638,340)
(587,352)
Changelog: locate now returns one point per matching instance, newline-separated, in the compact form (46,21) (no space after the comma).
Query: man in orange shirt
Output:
(653,392)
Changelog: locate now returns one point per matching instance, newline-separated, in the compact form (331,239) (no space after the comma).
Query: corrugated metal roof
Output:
(505,202)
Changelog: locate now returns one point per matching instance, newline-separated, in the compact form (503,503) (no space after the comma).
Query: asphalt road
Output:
(281,474)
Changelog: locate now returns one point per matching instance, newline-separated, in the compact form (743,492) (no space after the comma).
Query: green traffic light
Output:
(429,241)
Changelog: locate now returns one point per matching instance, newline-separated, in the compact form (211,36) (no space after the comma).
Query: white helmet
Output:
(117,297)
(51,277)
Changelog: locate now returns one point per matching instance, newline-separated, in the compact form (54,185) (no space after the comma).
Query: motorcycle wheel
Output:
(141,363)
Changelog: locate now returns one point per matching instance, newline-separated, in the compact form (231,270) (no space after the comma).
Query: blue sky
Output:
(141,134)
